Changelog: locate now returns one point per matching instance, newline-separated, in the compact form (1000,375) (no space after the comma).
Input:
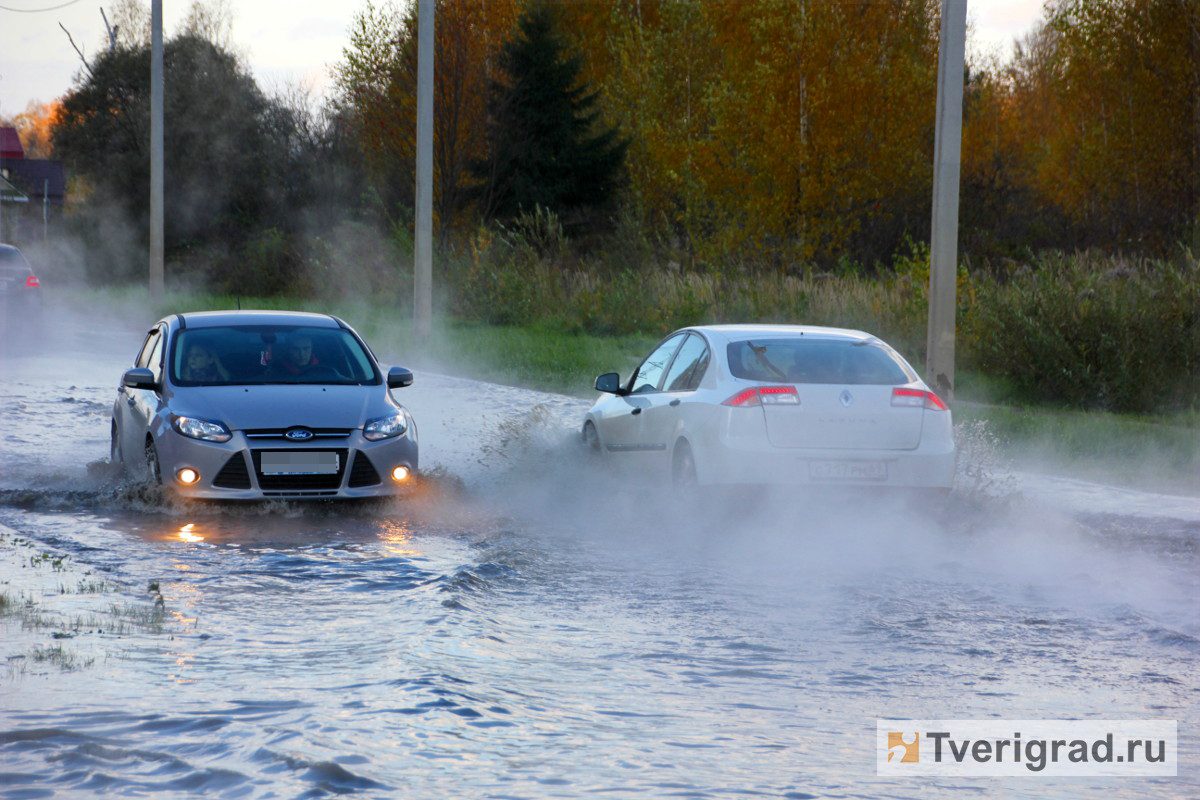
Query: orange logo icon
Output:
(904,747)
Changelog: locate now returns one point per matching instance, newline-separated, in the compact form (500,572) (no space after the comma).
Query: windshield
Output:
(810,360)
(261,354)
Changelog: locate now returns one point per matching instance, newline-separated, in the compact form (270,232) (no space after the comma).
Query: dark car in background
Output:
(20,289)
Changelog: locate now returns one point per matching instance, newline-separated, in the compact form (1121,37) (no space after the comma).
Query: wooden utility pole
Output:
(947,150)
(156,150)
(423,235)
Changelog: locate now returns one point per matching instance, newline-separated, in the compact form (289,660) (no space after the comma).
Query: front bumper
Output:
(223,477)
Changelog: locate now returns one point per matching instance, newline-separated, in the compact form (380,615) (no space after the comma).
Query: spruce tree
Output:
(545,147)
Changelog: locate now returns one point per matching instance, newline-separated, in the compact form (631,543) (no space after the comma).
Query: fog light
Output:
(187,476)
(400,474)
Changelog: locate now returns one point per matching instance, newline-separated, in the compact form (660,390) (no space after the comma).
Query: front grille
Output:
(278,433)
(300,482)
(234,474)
(329,493)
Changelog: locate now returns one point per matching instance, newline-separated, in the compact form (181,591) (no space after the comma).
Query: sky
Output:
(290,41)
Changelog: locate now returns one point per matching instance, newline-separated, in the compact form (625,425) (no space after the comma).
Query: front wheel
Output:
(114,447)
(153,469)
(591,439)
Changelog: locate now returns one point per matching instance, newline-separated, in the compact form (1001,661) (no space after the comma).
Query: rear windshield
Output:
(12,263)
(259,354)
(805,360)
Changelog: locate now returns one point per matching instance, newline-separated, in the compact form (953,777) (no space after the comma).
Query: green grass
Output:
(1154,451)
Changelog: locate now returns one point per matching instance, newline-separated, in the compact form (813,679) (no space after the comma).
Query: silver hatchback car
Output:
(252,405)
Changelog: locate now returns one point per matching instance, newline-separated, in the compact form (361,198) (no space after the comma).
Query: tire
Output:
(591,439)
(114,448)
(153,468)
(683,469)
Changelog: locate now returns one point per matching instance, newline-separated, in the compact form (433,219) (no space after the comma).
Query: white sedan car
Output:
(775,404)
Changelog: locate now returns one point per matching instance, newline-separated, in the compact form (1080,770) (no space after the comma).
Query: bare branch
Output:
(82,57)
(110,30)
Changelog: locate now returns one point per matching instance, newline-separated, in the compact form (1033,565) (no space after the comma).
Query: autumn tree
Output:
(34,126)
(1094,127)
(546,146)
(376,96)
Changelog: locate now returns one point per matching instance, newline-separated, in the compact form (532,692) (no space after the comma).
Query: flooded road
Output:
(529,626)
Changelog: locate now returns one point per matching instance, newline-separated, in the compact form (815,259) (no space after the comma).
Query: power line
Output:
(38,10)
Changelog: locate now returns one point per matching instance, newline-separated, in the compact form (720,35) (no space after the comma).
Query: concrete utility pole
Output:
(423,239)
(156,150)
(947,150)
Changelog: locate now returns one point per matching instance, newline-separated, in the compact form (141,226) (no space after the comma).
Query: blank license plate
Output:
(299,462)
(847,470)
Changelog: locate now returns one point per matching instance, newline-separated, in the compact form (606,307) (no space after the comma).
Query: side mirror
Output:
(399,377)
(139,378)
(609,382)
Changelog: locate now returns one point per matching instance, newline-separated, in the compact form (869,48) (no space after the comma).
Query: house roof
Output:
(10,143)
(30,175)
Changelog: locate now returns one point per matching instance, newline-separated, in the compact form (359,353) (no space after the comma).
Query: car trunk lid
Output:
(836,417)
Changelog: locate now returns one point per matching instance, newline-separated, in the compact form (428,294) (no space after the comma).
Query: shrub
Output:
(1085,330)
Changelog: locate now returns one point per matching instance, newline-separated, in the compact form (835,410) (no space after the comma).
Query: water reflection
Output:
(187,533)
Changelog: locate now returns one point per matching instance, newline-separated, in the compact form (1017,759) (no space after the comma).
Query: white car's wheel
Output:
(683,468)
(591,439)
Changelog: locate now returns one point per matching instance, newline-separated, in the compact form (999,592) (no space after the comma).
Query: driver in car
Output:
(298,358)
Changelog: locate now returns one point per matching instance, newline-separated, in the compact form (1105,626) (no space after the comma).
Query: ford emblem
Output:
(846,398)
(299,434)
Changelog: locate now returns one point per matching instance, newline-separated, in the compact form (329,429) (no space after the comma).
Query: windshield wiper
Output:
(760,354)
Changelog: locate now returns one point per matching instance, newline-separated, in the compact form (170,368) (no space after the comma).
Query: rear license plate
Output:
(847,470)
(299,462)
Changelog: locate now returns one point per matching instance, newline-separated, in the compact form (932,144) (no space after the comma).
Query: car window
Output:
(812,360)
(269,354)
(649,374)
(152,338)
(688,367)
(155,361)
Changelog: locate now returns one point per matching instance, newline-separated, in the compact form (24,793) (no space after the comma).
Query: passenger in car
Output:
(203,365)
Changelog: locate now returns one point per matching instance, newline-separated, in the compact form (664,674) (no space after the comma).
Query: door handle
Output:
(636,411)
(674,402)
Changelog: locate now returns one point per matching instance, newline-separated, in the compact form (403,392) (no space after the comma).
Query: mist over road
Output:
(528,625)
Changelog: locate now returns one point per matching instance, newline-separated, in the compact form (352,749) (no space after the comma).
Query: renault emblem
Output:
(845,398)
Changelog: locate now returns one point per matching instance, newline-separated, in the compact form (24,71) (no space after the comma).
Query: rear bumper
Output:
(928,466)
(210,459)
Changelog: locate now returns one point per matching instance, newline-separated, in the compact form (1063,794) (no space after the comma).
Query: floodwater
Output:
(527,625)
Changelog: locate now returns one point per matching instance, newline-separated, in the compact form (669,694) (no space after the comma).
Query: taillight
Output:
(917,398)
(32,282)
(765,396)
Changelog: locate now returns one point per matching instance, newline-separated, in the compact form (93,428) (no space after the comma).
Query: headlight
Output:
(385,427)
(201,429)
